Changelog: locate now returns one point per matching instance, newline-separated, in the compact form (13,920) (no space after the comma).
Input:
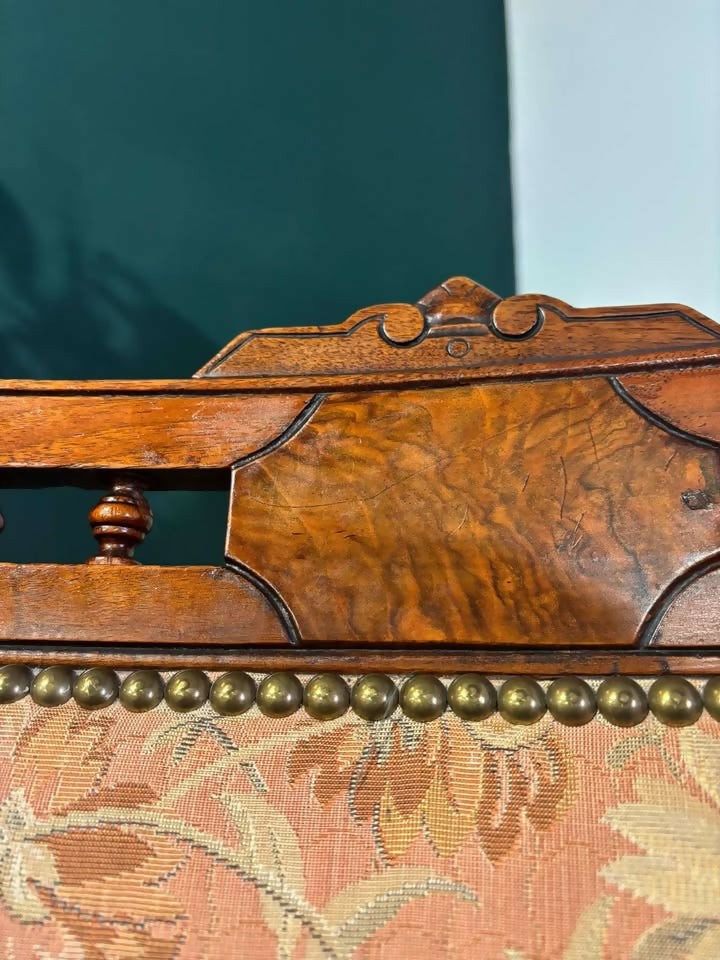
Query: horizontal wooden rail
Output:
(108,604)
(83,429)
(355,662)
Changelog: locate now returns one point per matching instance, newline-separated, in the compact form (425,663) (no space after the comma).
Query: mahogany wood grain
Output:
(545,514)
(691,617)
(106,431)
(687,400)
(109,604)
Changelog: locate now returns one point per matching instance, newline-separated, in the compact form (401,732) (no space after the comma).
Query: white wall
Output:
(615,111)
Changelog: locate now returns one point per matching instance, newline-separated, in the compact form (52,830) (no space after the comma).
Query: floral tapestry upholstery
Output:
(194,836)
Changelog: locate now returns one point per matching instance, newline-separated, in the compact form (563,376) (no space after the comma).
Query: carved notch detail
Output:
(447,335)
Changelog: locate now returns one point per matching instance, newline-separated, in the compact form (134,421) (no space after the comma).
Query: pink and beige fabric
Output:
(192,836)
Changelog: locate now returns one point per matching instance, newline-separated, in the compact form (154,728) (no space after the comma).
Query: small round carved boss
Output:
(457,347)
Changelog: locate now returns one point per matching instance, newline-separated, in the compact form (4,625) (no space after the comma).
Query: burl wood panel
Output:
(538,514)
(461,331)
(121,432)
(102,605)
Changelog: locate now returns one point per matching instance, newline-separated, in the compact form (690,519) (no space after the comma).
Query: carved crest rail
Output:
(465,483)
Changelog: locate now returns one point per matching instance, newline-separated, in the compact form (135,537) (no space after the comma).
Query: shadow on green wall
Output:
(96,302)
(98,305)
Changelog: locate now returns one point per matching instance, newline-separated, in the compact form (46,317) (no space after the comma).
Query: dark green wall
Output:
(174,172)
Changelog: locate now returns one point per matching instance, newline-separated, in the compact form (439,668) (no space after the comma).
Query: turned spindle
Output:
(120,522)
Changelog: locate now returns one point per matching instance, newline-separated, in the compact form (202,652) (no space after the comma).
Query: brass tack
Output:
(326,696)
(374,697)
(423,698)
(52,686)
(472,697)
(280,694)
(675,701)
(142,690)
(521,700)
(15,682)
(187,690)
(233,693)
(711,697)
(622,701)
(571,701)
(96,688)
